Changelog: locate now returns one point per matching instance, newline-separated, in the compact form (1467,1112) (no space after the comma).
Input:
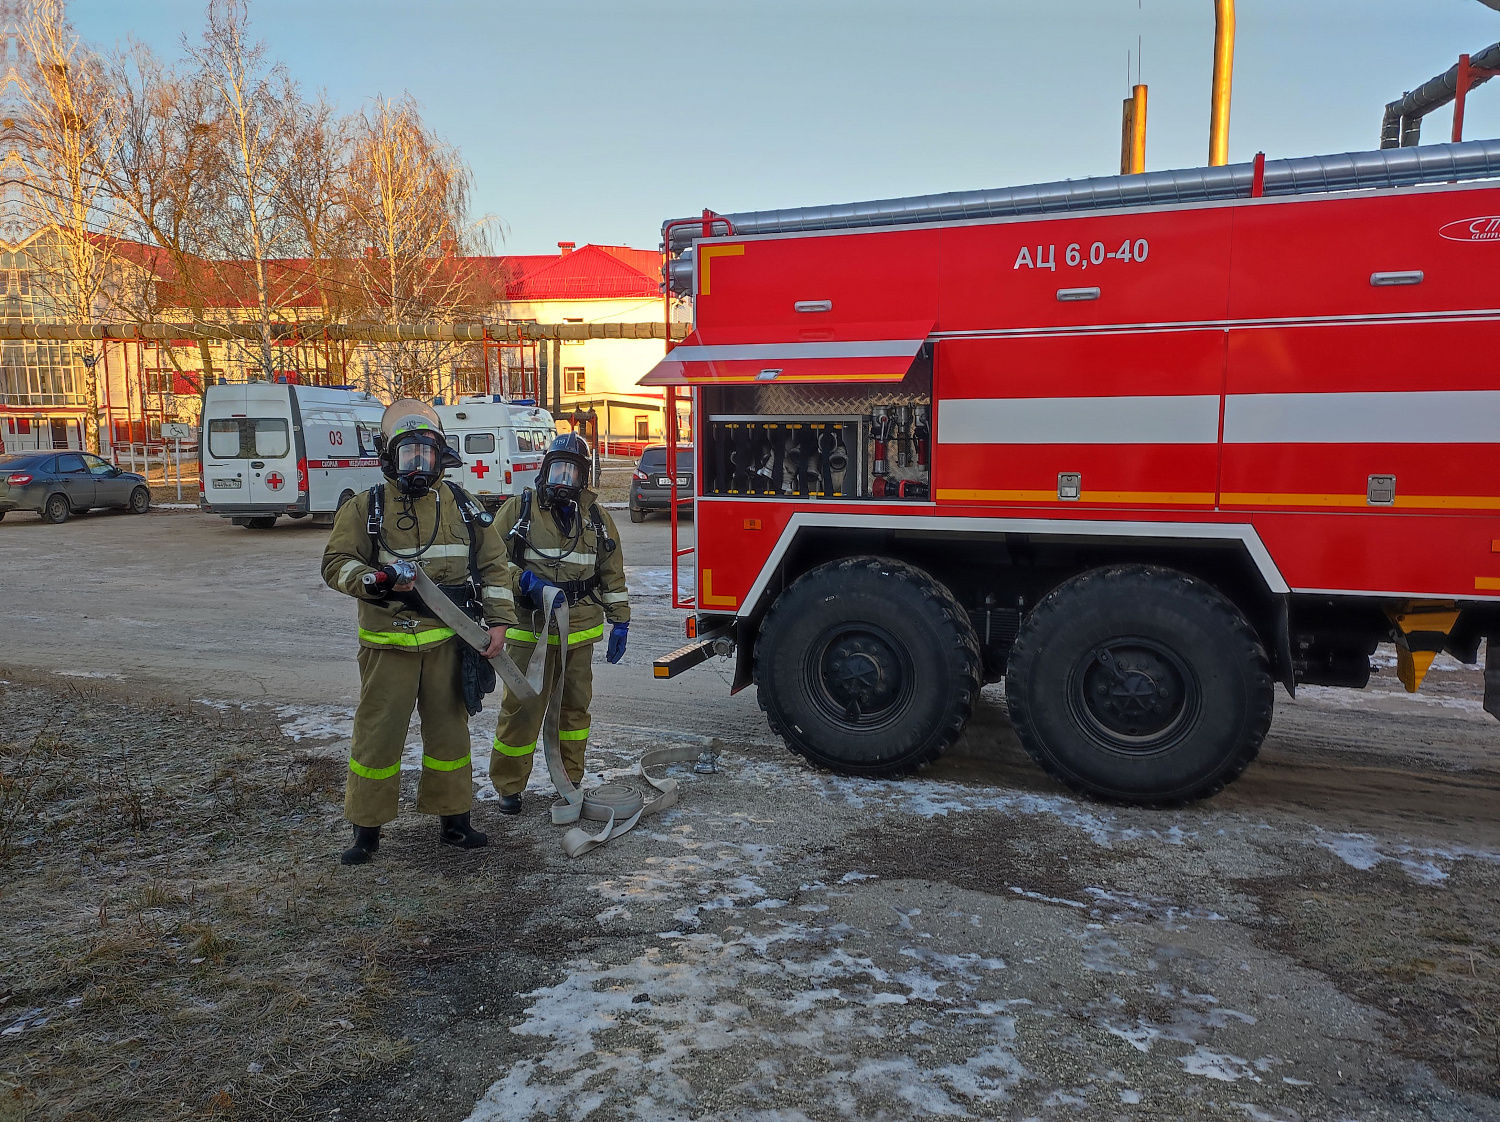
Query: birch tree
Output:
(311,176)
(168,181)
(68,134)
(255,106)
(408,202)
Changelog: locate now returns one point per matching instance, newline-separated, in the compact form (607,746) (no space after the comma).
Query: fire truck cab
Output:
(1140,446)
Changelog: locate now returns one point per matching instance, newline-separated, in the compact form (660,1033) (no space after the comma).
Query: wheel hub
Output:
(860,676)
(1133,691)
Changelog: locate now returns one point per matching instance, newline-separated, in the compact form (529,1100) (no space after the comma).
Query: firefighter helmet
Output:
(413,453)
(564,471)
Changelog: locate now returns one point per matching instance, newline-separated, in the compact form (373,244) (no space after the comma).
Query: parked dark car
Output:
(651,487)
(57,484)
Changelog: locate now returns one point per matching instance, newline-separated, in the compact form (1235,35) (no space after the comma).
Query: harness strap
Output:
(469,515)
(574,590)
(519,534)
(603,543)
(376,514)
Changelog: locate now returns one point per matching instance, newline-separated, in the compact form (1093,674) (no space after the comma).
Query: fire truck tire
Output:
(867,666)
(1140,685)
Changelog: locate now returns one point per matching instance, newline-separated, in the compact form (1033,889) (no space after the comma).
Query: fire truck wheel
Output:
(867,666)
(1140,685)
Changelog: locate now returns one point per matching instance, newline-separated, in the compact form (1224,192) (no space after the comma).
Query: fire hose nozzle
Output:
(397,572)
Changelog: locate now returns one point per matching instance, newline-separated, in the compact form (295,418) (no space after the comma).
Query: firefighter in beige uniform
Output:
(406,656)
(557,535)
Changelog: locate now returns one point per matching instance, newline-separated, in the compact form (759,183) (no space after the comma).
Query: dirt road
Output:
(1320,941)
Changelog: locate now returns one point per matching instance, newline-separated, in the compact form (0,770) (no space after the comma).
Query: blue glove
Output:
(529,583)
(617,643)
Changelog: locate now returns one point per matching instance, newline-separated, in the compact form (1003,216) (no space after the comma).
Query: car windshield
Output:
(245,438)
(655,459)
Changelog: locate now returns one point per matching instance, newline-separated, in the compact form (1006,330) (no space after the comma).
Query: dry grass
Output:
(176,940)
(1428,958)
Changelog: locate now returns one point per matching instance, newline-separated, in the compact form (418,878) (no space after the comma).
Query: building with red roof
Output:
(143,384)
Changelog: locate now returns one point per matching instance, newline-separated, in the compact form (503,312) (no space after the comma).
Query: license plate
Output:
(665,481)
(226,484)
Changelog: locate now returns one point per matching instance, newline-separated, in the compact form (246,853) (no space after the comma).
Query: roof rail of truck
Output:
(1390,167)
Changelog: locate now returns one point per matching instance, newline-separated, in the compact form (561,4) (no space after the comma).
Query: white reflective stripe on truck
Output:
(1046,527)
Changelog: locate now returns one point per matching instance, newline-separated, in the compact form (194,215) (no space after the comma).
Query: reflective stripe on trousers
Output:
(407,638)
(374,772)
(528,749)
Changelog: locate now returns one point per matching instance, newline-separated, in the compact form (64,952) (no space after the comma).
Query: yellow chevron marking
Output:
(707,253)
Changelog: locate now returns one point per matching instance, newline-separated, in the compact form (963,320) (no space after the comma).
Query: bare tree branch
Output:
(68,133)
(409,195)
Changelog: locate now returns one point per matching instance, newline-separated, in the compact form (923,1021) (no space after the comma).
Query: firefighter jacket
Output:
(569,558)
(397,621)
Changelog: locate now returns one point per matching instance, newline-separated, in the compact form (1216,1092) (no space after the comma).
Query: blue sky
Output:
(587,120)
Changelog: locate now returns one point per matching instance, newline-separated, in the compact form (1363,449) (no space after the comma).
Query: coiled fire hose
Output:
(618,806)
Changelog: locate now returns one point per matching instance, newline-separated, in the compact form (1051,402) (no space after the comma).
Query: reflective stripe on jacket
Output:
(392,623)
(558,556)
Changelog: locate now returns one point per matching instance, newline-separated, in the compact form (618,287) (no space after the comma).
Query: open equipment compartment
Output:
(817,440)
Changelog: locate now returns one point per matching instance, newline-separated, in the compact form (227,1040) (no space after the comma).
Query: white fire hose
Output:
(618,806)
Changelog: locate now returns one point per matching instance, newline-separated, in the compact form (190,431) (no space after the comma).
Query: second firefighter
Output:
(558,535)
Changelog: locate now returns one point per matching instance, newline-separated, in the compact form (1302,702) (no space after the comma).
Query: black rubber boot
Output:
(366,842)
(510,804)
(455,830)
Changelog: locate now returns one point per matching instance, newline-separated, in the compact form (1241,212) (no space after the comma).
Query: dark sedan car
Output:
(651,487)
(57,484)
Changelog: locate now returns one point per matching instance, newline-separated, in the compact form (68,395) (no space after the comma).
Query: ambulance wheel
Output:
(637,516)
(261,522)
(56,510)
(867,666)
(1139,685)
(344,498)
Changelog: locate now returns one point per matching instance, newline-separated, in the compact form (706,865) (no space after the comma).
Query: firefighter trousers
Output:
(391,683)
(521,721)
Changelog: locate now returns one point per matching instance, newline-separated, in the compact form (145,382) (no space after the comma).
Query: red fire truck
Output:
(1141,446)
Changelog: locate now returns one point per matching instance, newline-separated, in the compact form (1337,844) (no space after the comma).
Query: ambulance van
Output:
(269,449)
(502,445)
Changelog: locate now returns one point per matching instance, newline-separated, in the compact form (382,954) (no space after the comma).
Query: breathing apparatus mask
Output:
(564,472)
(413,454)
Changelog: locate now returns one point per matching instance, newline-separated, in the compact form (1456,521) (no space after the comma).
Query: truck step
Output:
(684,658)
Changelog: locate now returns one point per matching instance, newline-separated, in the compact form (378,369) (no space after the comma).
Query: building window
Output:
(573,380)
(642,427)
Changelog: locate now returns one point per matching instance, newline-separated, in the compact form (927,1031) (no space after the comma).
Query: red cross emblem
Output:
(480,468)
(274,481)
